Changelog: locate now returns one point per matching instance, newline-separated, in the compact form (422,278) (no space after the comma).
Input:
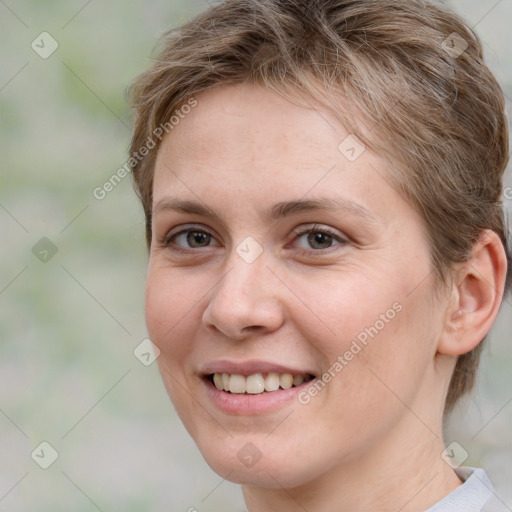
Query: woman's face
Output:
(279,255)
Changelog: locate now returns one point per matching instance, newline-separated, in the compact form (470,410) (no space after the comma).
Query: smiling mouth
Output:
(257,383)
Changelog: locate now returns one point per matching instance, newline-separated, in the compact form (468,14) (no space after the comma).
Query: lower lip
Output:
(242,404)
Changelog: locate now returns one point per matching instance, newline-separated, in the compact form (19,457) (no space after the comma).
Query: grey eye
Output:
(316,240)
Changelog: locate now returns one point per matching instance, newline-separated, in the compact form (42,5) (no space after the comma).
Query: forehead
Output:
(247,122)
(247,139)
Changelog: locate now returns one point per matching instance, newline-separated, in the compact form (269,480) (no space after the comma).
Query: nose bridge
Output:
(244,299)
(244,282)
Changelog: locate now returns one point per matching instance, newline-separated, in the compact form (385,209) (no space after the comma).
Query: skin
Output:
(372,439)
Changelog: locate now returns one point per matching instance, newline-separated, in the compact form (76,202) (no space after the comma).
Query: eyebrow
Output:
(278,211)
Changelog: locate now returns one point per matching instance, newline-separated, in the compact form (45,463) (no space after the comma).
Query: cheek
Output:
(338,310)
(376,339)
(171,309)
(171,302)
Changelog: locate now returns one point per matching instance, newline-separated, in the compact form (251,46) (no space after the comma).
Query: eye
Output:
(317,239)
(191,238)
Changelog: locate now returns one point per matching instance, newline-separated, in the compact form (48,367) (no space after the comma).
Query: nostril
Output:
(252,328)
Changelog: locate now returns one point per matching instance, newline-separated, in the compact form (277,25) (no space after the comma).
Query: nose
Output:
(245,302)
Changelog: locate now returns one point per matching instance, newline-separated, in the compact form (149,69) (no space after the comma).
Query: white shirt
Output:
(471,496)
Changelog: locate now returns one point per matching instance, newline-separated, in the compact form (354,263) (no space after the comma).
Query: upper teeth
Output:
(257,383)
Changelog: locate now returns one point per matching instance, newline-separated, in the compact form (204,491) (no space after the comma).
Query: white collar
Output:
(471,496)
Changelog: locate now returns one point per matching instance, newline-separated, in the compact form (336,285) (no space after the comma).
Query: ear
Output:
(476,296)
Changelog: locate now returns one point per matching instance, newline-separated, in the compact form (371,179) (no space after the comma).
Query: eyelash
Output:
(340,241)
(298,233)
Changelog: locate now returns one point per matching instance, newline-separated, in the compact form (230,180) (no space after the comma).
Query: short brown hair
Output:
(413,70)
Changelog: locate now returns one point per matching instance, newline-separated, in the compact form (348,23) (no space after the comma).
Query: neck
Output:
(403,472)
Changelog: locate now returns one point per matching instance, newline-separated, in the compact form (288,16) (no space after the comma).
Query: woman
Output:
(322,185)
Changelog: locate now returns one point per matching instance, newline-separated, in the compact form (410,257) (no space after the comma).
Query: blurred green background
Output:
(70,321)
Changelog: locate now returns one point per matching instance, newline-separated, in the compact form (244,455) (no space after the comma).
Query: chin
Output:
(268,468)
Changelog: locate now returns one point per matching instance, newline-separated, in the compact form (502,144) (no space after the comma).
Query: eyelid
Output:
(299,231)
(166,240)
(317,228)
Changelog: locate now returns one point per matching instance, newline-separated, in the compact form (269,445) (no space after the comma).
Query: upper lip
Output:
(250,367)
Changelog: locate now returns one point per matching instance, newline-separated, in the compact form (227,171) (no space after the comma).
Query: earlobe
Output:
(476,296)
